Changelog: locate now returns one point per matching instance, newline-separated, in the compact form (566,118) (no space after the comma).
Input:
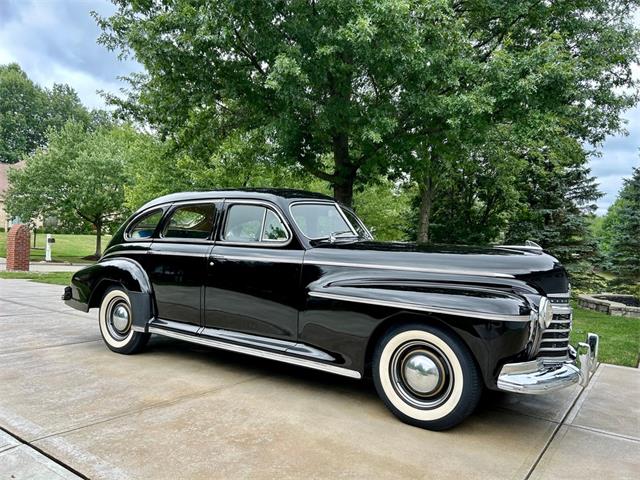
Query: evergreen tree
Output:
(625,237)
(557,197)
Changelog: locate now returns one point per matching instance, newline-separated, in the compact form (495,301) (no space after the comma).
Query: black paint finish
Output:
(326,301)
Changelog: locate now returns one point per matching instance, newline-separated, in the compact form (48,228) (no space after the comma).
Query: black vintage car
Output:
(293,276)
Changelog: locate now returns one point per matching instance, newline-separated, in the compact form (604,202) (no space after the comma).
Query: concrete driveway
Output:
(69,408)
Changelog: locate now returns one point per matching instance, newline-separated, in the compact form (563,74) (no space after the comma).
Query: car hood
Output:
(532,266)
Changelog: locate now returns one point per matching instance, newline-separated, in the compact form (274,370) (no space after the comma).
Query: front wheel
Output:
(116,322)
(426,376)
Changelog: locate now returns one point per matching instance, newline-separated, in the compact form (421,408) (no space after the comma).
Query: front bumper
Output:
(538,376)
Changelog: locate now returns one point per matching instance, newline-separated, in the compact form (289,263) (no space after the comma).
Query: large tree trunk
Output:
(426,206)
(343,193)
(345,171)
(98,226)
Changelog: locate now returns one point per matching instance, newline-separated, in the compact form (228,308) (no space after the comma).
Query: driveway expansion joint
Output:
(561,423)
(42,452)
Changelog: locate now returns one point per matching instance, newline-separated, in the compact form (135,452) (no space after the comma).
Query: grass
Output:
(619,336)
(56,278)
(68,248)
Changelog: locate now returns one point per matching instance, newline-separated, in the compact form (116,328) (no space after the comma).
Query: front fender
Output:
(492,316)
(488,302)
(89,284)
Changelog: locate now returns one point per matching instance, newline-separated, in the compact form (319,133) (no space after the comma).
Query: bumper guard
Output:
(540,376)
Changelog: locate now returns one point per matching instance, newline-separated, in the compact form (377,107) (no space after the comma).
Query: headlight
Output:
(545,312)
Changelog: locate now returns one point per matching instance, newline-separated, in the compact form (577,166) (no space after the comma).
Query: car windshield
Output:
(321,220)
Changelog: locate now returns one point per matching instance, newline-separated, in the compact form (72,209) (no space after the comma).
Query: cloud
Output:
(619,154)
(55,42)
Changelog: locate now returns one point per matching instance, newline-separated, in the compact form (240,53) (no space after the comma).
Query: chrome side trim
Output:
(257,259)
(303,362)
(408,269)
(124,252)
(176,253)
(423,308)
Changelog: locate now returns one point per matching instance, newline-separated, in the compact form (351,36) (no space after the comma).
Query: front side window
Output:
(145,226)
(253,224)
(320,220)
(193,222)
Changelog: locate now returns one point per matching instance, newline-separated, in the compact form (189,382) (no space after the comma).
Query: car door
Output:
(253,274)
(177,261)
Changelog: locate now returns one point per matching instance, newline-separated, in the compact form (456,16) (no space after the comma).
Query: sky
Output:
(54,41)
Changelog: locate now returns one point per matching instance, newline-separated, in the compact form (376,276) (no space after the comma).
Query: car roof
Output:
(272,194)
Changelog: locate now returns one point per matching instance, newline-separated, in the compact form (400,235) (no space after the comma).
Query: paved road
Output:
(46,267)
(69,405)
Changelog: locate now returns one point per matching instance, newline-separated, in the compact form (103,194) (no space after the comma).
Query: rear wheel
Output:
(426,376)
(116,322)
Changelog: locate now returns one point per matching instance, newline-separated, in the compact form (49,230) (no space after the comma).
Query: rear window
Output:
(190,222)
(145,226)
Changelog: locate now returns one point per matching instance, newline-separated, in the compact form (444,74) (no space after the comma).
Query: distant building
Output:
(4,186)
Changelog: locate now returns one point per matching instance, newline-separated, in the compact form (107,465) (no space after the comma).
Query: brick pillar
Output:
(18,248)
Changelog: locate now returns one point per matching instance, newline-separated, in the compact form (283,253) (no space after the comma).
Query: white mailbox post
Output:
(47,248)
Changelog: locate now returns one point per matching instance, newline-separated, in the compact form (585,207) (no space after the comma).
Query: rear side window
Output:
(145,226)
(253,224)
(193,222)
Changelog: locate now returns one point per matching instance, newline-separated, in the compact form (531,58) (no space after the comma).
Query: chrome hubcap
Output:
(421,373)
(120,318)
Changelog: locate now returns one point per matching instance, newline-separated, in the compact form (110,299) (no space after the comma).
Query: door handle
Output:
(213,258)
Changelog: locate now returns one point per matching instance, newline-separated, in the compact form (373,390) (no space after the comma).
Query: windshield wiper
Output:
(333,236)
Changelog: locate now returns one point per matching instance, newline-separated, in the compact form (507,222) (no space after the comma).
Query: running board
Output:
(256,352)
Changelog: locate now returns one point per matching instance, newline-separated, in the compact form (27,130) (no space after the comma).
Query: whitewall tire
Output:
(116,323)
(426,376)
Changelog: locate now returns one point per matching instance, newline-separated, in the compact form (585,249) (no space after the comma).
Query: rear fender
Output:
(90,284)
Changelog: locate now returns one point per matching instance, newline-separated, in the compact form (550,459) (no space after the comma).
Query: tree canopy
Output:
(351,90)
(28,111)
(79,177)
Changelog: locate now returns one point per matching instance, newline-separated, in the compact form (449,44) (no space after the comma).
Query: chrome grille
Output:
(554,343)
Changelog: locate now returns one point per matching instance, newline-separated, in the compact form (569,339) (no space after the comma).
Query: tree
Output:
(557,196)
(28,111)
(625,235)
(22,114)
(328,84)
(79,176)
(534,70)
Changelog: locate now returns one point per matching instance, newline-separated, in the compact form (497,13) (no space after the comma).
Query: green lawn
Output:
(68,248)
(619,336)
(57,278)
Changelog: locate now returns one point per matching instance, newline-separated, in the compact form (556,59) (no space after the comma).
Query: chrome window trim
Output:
(423,308)
(139,216)
(408,269)
(256,352)
(261,203)
(369,234)
(172,209)
(319,202)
